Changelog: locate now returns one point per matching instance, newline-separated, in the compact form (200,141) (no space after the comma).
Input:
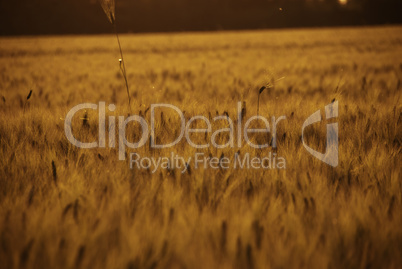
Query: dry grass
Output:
(64,207)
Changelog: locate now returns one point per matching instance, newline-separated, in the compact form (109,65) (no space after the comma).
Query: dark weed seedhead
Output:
(249,255)
(239,248)
(54,172)
(134,264)
(188,168)
(292,114)
(26,101)
(108,7)
(80,256)
(312,202)
(171,214)
(146,110)
(268,85)
(244,110)
(258,231)
(306,205)
(163,122)
(364,83)
(150,144)
(67,209)
(31,196)
(391,206)
(258,102)
(75,210)
(224,230)
(85,119)
(29,95)
(294,200)
(25,253)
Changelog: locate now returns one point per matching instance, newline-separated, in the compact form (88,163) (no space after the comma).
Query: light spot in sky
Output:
(343,2)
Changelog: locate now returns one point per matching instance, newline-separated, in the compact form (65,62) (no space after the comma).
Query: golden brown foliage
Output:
(65,207)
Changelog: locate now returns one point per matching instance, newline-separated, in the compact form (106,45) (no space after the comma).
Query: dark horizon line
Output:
(92,33)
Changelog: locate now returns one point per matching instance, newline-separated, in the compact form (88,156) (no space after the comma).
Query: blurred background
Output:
(33,17)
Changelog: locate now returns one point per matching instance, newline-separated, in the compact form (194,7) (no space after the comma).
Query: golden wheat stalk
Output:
(109,7)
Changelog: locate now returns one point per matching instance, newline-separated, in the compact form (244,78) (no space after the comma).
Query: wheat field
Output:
(66,207)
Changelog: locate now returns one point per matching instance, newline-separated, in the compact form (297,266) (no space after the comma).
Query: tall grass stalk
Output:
(108,7)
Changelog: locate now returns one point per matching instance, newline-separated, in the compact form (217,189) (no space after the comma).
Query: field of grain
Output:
(66,207)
